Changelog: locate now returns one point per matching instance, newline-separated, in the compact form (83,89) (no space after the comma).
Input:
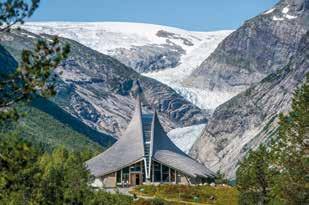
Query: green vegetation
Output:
(156,201)
(278,174)
(33,76)
(15,11)
(30,176)
(196,194)
(40,128)
(254,178)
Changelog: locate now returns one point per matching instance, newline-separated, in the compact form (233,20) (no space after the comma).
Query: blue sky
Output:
(198,15)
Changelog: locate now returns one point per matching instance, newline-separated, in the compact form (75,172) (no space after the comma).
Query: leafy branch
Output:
(33,77)
(15,11)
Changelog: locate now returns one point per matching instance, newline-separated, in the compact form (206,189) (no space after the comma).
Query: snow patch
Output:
(185,137)
(269,11)
(275,18)
(285,10)
(27,35)
(290,17)
(107,36)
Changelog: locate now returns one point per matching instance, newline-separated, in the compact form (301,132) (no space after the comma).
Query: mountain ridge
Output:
(250,118)
(96,88)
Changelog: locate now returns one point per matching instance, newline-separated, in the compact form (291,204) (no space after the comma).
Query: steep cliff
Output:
(264,44)
(250,118)
(96,88)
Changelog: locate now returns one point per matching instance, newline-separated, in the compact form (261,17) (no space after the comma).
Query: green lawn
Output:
(219,195)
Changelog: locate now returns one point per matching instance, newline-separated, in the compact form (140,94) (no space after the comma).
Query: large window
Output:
(125,175)
(119,176)
(157,172)
(136,167)
(165,173)
(173,175)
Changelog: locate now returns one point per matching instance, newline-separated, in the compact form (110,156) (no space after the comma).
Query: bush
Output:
(104,198)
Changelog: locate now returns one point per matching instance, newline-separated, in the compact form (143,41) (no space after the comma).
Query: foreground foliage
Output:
(30,176)
(156,201)
(184,193)
(15,11)
(34,76)
(279,174)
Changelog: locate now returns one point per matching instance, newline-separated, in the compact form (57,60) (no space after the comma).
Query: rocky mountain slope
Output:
(143,47)
(264,44)
(95,88)
(249,119)
(164,53)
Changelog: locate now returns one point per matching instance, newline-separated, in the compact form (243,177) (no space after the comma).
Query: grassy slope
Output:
(41,128)
(64,117)
(219,195)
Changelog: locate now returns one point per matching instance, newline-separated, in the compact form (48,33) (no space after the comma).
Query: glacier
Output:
(109,37)
(185,137)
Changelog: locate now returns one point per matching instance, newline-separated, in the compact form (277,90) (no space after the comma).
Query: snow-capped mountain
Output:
(164,53)
(96,88)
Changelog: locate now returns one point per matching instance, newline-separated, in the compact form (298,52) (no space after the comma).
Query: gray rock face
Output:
(170,35)
(96,88)
(149,57)
(247,120)
(264,44)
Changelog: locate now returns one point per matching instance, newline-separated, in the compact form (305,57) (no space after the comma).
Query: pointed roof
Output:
(126,151)
(167,153)
(129,149)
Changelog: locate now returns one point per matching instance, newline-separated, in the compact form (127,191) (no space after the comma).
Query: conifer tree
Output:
(255,178)
(279,174)
(15,11)
(291,149)
(34,75)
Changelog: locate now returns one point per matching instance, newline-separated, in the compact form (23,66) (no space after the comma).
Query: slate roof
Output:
(130,149)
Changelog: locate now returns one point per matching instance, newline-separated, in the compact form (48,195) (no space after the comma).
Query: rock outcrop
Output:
(96,88)
(263,45)
(250,118)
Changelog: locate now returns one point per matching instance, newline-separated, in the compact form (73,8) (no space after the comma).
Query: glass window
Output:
(119,176)
(157,172)
(125,175)
(165,173)
(125,170)
(136,167)
(173,178)
(143,171)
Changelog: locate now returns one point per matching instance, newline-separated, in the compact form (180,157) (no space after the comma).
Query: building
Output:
(145,154)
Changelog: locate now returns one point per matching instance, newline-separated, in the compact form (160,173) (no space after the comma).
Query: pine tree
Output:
(279,174)
(291,149)
(18,173)
(255,178)
(15,11)
(34,75)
